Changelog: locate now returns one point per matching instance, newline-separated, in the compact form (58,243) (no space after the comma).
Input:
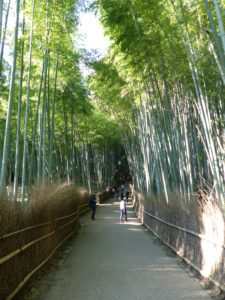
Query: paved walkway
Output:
(110,261)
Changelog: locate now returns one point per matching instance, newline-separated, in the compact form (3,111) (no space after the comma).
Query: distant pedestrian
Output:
(113,192)
(121,196)
(123,210)
(116,195)
(92,203)
(127,195)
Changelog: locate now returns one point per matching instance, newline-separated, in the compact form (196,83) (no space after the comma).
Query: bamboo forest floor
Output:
(109,260)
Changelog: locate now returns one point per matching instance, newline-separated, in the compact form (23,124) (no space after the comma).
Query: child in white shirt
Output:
(123,210)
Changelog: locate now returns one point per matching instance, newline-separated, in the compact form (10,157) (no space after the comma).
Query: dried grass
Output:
(54,201)
(202,215)
(48,203)
(13,215)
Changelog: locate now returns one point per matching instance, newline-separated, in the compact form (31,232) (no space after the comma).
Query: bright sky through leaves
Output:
(92,33)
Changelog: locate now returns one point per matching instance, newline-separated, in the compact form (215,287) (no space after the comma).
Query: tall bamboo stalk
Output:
(27,107)
(4,36)
(10,103)
(1,15)
(52,125)
(17,156)
(34,132)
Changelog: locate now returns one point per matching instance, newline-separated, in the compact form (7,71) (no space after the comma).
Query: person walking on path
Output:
(127,195)
(123,210)
(92,203)
(116,194)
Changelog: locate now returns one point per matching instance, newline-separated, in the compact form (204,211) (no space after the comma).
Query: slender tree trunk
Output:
(44,121)
(35,129)
(44,112)
(220,22)
(10,102)
(1,15)
(4,36)
(17,156)
(49,107)
(1,146)
(27,107)
(220,67)
(215,34)
(52,125)
(73,146)
(41,122)
(66,140)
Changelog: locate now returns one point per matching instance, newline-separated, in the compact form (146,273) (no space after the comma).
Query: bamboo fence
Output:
(186,243)
(185,258)
(25,251)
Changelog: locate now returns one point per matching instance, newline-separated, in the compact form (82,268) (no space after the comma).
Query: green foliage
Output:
(162,82)
(78,124)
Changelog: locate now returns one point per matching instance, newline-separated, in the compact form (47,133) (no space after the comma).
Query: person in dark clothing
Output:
(127,195)
(92,203)
(116,194)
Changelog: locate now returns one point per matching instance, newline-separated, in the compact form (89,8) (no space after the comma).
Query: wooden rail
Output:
(4,237)
(222,287)
(203,237)
(28,276)
(20,250)
(16,252)
(83,208)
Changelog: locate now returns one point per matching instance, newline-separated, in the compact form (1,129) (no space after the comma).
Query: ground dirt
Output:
(108,260)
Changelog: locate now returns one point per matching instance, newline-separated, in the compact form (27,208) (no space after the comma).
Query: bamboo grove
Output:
(164,81)
(49,129)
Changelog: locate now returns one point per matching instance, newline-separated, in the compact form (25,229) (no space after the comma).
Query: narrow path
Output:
(110,261)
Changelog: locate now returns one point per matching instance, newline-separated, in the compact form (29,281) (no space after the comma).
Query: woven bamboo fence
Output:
(25,251)
(183,230)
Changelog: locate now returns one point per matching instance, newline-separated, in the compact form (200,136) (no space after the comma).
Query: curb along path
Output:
(110,261)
